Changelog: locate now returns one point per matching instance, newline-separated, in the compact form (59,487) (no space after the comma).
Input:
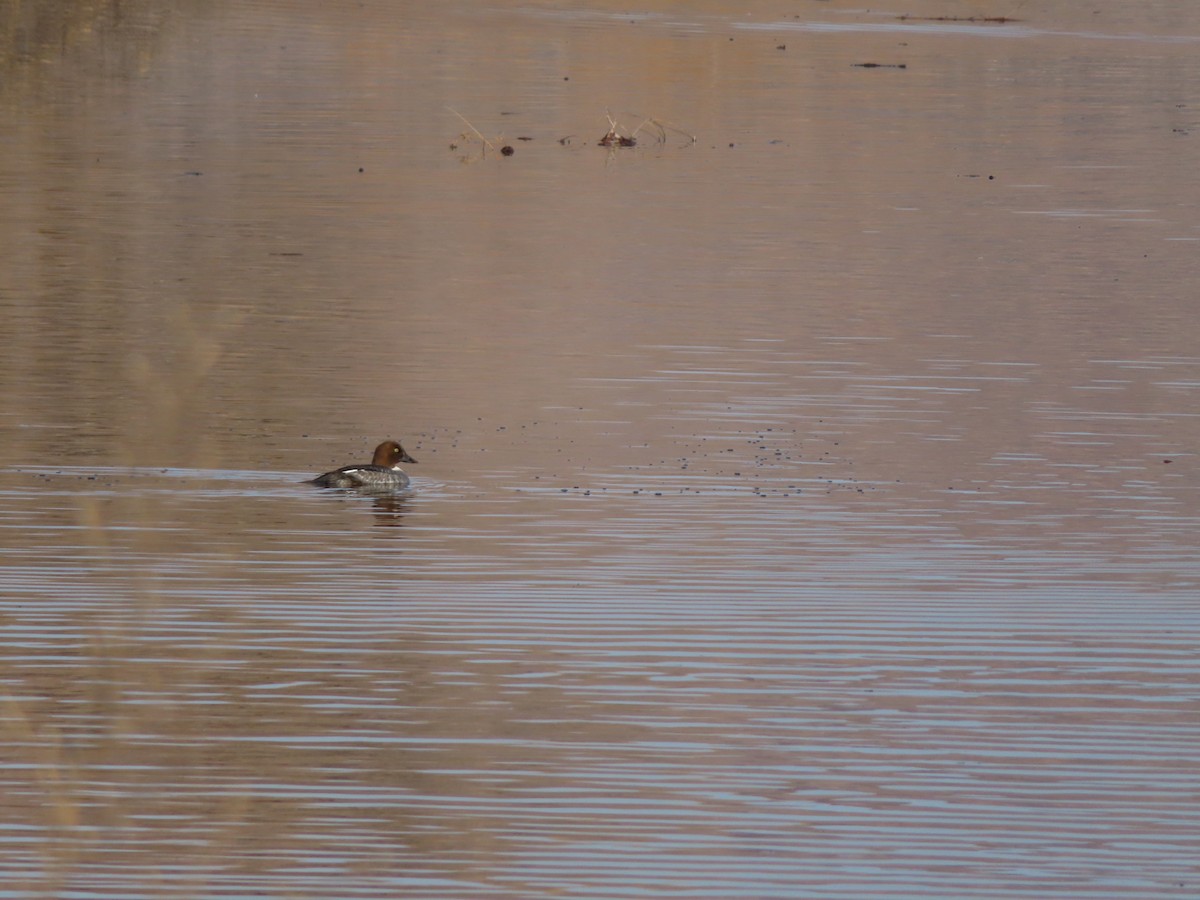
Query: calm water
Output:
(808,509)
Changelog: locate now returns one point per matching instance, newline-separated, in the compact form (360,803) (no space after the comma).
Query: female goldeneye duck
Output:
(384,472)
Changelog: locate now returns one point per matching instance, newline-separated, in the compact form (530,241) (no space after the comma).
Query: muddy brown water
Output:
(806,510)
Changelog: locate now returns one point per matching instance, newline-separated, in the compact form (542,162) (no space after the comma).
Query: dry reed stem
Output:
(478,134)
(660,127)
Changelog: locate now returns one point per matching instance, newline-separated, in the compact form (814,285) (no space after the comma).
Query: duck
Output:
(382,474)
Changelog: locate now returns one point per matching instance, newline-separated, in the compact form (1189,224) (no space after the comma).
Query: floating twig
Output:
(663,128)
(486,143)
(614,138)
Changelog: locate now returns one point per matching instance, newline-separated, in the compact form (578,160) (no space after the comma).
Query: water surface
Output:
(807,509)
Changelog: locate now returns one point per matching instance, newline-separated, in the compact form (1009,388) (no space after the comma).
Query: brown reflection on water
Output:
(807,508)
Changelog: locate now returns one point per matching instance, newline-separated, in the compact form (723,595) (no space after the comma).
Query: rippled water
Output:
(806,511)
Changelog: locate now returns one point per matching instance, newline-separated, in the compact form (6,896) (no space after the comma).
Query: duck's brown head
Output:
(390,454)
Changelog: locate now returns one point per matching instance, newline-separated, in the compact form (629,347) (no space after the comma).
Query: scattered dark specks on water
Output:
(995,20)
